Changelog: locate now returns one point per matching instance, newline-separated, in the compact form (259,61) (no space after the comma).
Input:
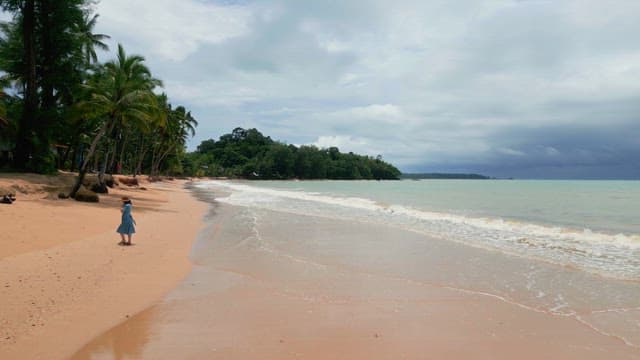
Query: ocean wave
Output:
(616,255)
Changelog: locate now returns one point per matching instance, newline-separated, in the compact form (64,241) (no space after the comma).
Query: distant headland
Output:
(248,154)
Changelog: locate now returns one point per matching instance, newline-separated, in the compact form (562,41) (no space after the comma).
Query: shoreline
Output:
(62,272)
(266,284)
(274,285)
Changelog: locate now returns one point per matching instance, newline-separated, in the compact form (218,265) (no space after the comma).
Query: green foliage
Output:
(249,154)
(69,111)
(41,58)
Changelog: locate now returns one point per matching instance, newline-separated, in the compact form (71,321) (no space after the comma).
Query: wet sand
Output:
(63,278)
(269,285)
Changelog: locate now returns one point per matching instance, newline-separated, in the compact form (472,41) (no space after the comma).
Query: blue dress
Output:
(127,224)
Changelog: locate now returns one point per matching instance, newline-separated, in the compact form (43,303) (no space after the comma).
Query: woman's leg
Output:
(129,238)
(122,237)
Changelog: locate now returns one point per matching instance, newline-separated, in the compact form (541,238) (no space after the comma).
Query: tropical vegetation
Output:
(61,108)
(250,154)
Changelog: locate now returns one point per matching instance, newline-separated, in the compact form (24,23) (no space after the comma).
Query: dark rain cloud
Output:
(540,89)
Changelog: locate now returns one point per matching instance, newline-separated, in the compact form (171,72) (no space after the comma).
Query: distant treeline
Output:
(444,176)
(249,154)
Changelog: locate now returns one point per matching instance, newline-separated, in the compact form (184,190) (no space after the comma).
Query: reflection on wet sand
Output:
(270,285)
(125,341)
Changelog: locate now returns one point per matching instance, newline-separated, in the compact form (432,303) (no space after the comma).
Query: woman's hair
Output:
(126,200)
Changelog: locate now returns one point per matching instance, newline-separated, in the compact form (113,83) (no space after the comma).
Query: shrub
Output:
(110,181)
(129,181)
(99,188)
(86,195)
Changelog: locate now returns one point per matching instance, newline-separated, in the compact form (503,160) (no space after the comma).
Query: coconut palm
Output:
(172,137)
(120,92)
(90,41)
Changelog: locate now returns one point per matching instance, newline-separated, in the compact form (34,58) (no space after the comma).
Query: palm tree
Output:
(27,12)
(120,92)
(173,136)
(90,41)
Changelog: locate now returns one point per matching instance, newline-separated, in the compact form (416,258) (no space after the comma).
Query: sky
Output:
(518,88)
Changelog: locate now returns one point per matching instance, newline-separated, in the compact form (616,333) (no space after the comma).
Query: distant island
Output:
(248,154)
(443,176)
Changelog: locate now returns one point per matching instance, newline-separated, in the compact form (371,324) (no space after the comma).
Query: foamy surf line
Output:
(612,255)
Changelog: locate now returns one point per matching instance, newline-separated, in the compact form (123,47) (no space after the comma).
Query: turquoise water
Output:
(589,225)
(609,206)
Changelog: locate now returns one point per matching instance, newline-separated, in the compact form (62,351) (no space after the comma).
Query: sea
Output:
(568,248)
(285,269)
(593,226)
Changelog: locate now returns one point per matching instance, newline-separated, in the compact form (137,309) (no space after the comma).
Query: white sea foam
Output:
(616,255)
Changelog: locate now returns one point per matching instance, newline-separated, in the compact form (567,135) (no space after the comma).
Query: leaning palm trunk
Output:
(87,159)
(153,161)
(155,166)
(123,89)
(103,167)
(112,159)
(138,170)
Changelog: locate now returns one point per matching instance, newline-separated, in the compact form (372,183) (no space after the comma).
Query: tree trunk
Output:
(123,146)
(156,161)
(153,161)
(142,151)
(138,170)
(48,110)
(159,161)
(87,159)
(103,166)
(65,156)
(24,143)
(74,155)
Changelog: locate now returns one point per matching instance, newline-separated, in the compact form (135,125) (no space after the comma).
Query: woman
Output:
(127,225)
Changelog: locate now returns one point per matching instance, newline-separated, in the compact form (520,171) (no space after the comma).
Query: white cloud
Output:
(551,151)
(375,113)
(427,84)
(346,144)
(173,30)
(511,152)
(338,141)
(212,94)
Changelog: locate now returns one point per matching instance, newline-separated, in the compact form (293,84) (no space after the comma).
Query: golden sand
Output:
(64,279)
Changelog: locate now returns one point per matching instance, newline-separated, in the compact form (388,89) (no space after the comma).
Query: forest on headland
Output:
(61,108)
(251,155)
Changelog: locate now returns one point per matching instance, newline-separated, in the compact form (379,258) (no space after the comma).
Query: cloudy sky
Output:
(525,89)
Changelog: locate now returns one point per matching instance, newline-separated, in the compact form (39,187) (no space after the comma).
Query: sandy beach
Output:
(261,284)
(276,285)
(64,279)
